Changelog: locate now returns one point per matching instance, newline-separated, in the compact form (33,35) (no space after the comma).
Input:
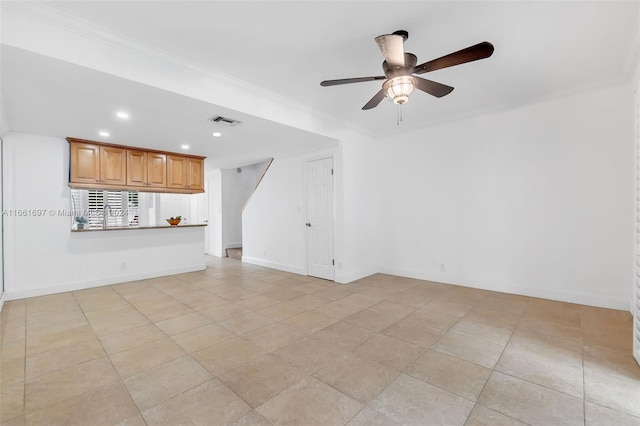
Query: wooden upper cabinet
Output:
(98,165)
(185,172)
(157,169)
(146,169)
(85,161)
(113,165)
(176,172)
(195,174)
(137,164)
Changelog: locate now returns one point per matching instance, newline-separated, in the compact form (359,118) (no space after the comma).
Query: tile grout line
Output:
(271,281)
(493,369)
(120,380)
(24,372)
(214,376)
(186,354)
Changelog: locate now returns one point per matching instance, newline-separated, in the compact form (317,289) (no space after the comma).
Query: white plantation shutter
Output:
(123,207)
(117,208)
(636,301)
(95,204)
(133,209)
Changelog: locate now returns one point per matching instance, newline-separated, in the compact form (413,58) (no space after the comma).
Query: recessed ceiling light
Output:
(217,134)
(184,146)
(103,133)
(122,114)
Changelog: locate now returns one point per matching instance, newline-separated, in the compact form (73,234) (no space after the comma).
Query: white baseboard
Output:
(579,297)
(274,265)
(338,278)
(22,294)
(1,301)
(347,278)
(214,253)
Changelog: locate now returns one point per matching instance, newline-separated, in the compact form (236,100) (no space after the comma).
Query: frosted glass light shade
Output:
(399,88)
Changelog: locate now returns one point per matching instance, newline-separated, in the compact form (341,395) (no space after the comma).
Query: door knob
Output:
(308,225)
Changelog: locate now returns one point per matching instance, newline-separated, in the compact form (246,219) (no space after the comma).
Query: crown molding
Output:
(40,12)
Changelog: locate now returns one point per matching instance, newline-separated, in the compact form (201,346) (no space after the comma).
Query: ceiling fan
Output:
(400,69)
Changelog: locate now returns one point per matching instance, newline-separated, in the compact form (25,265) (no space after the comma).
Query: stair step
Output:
(235,253)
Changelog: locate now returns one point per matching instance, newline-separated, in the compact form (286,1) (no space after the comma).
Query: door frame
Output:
(333,210)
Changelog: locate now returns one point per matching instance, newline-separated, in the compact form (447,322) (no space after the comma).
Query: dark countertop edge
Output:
(135,228)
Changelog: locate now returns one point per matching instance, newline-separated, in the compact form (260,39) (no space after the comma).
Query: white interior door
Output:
(319,180)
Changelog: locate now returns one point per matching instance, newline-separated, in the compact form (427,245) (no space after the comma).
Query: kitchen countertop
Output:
(134,228)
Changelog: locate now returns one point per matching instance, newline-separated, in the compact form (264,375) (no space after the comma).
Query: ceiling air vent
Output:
(224,120)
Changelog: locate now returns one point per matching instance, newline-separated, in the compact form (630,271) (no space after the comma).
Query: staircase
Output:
(235,253)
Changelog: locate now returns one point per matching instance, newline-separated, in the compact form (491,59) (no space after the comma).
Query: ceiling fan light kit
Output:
(398,89)
(400,69)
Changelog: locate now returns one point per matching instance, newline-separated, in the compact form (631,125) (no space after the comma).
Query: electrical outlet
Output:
(442,268)
(123,265)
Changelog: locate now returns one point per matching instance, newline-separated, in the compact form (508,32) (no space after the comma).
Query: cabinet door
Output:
(85,163)
(176,172)
(113,165)
(195,174)
(136,168)
(156,170)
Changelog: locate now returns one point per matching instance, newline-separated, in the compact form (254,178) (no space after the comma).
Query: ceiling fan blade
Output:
(391,46)
(350,80)
(433,88)
(375,100)
(470,54)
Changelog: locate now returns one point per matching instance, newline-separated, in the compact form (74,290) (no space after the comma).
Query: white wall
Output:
(3,130)
(236,190)
(273,221)
(635,289)
(171,205)
(537,200)
(1,228)
(43,256)
(357,225)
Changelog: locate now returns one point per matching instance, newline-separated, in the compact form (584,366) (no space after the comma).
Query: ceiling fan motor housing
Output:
(404,34)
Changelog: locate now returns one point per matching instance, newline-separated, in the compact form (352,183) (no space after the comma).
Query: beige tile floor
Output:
(244,345)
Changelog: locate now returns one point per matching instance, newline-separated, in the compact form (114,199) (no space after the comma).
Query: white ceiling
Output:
(47,96)
(542,50)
